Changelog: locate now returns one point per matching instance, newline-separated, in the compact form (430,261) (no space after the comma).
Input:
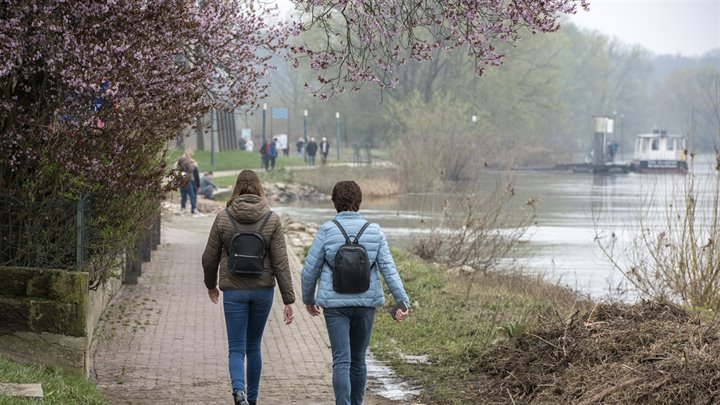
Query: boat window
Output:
(645,145)
(655,144)
(671,144)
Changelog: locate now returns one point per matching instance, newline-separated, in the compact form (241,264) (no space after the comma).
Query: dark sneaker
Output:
(240,398)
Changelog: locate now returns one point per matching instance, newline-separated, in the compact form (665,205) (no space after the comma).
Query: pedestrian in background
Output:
(349,317)
(247,299)
(265,155)
(324,149)
(207,187)
(299,146)
(311,150)
(273,152)
(190,182)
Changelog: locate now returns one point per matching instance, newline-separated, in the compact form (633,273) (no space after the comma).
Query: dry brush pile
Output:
(649,353)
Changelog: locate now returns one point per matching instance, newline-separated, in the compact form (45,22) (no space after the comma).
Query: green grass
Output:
(454,328)
(374,180)
(224,181)
(281,175)
(60,386)
(234,160)
(371,179)
(238,160)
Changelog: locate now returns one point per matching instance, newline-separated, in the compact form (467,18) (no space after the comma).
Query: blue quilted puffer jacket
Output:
(328,240)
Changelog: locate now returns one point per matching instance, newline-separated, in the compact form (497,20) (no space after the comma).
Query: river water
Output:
(573,209)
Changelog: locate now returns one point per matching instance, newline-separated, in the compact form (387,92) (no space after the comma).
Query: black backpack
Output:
(351,274)
(247,250)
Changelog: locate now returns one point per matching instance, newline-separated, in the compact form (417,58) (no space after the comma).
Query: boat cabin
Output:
(659,151)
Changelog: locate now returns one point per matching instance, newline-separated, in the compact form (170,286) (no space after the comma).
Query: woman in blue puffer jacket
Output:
(349,317)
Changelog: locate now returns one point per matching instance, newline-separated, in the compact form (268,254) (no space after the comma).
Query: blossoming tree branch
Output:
(363,41)
(91,92)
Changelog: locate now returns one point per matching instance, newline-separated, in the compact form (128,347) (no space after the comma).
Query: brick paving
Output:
(163,342)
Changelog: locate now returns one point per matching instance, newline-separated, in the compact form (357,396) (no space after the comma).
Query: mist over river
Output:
(573,209)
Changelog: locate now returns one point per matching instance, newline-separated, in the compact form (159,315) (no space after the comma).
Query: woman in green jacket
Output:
(247,299)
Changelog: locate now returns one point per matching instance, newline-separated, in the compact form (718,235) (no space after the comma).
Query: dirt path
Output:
(163,342)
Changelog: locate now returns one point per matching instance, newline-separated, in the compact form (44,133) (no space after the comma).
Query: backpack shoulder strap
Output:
(347,238)
(265,221)
(235,224)
(357,237)
(232,220)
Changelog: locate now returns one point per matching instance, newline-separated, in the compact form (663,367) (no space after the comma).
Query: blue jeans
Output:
(246,313)
(188,191)
(349,329)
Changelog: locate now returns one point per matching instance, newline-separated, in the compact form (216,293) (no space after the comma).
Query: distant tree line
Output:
(534,109)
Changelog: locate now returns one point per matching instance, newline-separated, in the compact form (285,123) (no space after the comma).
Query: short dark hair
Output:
(346,196)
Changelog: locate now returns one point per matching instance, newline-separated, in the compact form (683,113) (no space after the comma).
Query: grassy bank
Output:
(456,319)
(234,160)
(374,181)
(237,159)
(60,386)
(279,175)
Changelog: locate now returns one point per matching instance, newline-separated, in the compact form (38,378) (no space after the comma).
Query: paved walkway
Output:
(162,341)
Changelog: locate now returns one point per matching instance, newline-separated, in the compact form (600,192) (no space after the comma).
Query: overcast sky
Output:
(688,27)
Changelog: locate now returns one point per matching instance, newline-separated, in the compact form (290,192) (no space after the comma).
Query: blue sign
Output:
(280,113)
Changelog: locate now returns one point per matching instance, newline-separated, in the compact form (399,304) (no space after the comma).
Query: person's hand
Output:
(288,314)
(314,310)
(214,295)
(400,315)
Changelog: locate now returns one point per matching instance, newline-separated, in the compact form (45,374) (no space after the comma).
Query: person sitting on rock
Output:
(207,187)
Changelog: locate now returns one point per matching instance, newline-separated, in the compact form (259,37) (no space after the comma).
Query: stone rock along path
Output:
(163,342)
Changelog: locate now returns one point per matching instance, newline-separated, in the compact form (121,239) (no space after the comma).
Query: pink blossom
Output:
(379,35)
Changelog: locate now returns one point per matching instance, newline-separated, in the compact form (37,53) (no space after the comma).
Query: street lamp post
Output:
(474,119)
(337,134)
(263,118)
(622,138)
(305,135)
(213,131)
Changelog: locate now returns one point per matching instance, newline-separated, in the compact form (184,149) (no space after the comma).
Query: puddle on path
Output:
(384,382)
